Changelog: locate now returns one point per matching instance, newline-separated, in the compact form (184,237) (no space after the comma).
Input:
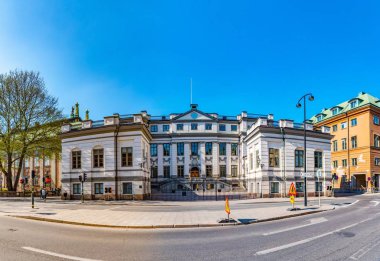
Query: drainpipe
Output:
(283,159)
(116,162)
(348,150)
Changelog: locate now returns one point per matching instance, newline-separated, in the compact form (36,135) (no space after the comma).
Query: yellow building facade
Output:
(355,147)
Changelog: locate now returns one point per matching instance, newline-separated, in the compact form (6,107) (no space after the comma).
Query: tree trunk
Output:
(19,168)
(9,174)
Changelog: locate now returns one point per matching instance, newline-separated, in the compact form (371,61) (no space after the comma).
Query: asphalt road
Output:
(346,233)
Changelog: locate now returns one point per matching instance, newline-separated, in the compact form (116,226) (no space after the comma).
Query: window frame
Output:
(208,126)
(78,163)
(354,142)
(318,159)
(180,171)
(222,174)
(344,143)
(274,187)
(153,128)
(165,127)
(98,188)
(222,127)
(153,148)
(274,157)
(208,148)
(126,189)
(354,122)
(209,171)
(166,172)
(234,127)
(343,125)
(179,126)
(222,149)
(194,126)
(234,171)
(98,158)
(127,156)
(194,148)
(298,159)
(166,149)
(79,189)
(180,149)
(234,149)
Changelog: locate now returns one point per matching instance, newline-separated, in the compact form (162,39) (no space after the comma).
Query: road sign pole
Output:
(319,191)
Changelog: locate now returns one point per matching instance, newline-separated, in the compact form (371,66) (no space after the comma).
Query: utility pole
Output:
(33,176)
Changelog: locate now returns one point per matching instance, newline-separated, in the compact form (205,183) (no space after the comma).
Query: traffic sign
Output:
(292,190)
(319,173)
(292,199)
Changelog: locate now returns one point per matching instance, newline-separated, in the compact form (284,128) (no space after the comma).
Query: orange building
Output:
(355,147)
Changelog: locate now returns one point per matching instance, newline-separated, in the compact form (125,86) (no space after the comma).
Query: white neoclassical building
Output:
(186,155)
(275,158)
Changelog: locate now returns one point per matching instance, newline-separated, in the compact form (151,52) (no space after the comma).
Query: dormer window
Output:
(335,111)
(319,117)
(194,126)
(165,127)
(354,104)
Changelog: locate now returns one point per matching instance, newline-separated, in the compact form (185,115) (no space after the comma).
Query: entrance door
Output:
(194,172)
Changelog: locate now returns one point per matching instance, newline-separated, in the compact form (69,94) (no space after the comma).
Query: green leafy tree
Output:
(29,122)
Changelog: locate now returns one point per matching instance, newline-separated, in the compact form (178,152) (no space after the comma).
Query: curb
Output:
(167,226)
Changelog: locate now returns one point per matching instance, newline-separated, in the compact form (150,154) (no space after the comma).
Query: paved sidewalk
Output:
(155,214)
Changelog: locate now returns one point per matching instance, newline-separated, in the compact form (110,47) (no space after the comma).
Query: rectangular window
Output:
(335,145)
(234,127)
(274,157)
(36,161)
(234,171)
(126,156)
(251,160)
(46,161)
(344,144)
(335,128)
(234,149)
(209,171)
(257,158)
(194,126)
(299,187)
(222,127)
(26,163)
(318,186)
(222,149)
(344,163)
(376,139)
(222,171)
(208,126)
(180,171)
(299,158)
(98,158)
(354,161)
(335,164)
(180,149)
(166,149)
(376,120)
(274,187)
(98,188)
(343,125)
(208,148)
(377,161)
(127,188)
(167,172)
(354,104)
(194,149)
(354,122)
(317,159)
(76,189)
(153,150)
(153,128)
(354,142)
(165,128)
(335,111)
(76,159)
(154,173)
(179,127)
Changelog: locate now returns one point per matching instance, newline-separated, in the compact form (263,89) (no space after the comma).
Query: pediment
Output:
(194,115)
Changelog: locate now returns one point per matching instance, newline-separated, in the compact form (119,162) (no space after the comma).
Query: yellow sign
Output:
(292,190)
(292,199)
(227,207)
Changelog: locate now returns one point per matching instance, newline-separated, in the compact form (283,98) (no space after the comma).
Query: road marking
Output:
(275,249)
(58,255)
(361,252)
(353,203)
(376,203)
(312,222)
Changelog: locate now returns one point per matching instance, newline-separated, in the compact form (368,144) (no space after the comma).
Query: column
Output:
(160,161)
(215,159)
(173,160)
(187,159)
(203,159)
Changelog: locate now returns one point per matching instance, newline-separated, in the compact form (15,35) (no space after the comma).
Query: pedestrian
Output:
(43,194)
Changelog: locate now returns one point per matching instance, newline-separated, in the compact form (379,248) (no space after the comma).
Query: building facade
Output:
(355,146)
(275,158)
(188,155)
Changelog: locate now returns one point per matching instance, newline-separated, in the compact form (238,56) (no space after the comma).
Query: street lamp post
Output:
(311,98)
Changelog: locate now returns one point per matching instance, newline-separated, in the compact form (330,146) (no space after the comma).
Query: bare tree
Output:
(29,122)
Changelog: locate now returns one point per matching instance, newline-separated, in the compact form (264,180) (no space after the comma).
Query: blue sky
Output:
(258,56)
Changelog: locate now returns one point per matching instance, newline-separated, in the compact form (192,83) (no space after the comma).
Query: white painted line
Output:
(376,203)
(312,222)
(58,255)
(361,252)
(353,203)
(275,249)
